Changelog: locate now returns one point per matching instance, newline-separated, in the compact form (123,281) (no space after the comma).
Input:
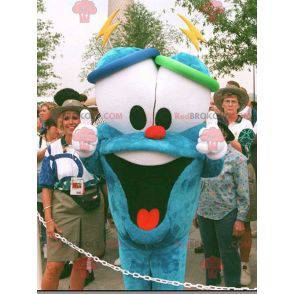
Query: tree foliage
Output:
(234,41)
(47,41)
(139,28)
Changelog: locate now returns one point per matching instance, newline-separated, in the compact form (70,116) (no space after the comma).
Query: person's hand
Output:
(239,228)
(84,138)
(211,141)
(51,228)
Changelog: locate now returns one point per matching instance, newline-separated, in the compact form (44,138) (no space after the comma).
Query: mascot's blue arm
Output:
(212,168)
(92,164)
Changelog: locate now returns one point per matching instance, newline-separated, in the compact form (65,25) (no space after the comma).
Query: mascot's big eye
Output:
(180,103)
(138,117)
(126,98)
(163,118)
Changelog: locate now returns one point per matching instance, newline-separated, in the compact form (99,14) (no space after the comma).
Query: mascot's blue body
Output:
(147,152)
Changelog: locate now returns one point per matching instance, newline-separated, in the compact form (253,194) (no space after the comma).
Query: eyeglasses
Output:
(230,101)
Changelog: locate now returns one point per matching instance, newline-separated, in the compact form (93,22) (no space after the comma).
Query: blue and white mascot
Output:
(153,150)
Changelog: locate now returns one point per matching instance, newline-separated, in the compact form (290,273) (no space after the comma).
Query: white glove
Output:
(84,138)
(211,141)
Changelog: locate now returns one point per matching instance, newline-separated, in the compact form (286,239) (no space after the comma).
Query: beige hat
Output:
(70,104)
(243,97)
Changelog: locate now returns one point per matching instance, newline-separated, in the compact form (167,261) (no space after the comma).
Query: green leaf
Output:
(47,41)
(233,45)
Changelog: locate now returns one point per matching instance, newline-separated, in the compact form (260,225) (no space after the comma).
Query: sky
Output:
(76,35)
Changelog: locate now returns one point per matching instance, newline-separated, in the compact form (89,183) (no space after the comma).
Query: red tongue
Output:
(147,220)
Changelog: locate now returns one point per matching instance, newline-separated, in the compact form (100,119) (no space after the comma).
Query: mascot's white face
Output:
(135,98)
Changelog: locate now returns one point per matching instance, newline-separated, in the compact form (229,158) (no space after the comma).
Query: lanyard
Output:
(66,149)
(77,186)
(63,144)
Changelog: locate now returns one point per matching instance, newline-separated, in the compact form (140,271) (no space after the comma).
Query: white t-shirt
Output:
(246,112)
(44,145)
(68,164)
(239,125)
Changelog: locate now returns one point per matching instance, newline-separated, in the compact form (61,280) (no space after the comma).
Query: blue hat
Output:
(192,61)
(119,58)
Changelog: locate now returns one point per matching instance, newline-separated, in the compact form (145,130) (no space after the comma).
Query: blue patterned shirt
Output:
(228,191)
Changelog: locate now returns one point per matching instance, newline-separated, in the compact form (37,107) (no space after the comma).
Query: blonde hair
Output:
(49,105)
(59,119)
(59,123)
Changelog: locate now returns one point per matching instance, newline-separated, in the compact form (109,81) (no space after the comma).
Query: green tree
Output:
(234,42)
(47,41)
(140,28)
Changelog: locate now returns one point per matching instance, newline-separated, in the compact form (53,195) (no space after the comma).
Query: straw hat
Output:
(68,105)
(242,96)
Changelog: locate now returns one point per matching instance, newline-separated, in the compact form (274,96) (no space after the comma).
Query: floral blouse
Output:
(228,191)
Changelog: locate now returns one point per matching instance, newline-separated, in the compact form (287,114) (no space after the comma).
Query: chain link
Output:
(137,275)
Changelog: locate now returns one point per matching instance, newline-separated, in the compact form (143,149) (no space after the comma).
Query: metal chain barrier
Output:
(137,275)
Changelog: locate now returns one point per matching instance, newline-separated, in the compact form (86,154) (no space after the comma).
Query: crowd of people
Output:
(227,203)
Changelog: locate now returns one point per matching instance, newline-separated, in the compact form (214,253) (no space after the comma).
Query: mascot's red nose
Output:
(155,132)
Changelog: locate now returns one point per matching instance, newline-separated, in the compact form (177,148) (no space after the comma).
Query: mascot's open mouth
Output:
(147,188)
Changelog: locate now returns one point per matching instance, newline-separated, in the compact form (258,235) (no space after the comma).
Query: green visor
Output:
(188,72)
